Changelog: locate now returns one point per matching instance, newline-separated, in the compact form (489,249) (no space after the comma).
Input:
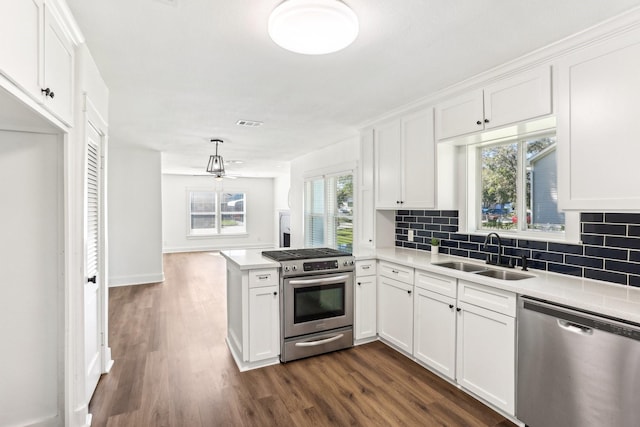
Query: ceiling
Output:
(181,72)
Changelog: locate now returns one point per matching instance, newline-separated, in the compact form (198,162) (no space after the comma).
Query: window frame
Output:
(330,234)
(474,193)
(218,214)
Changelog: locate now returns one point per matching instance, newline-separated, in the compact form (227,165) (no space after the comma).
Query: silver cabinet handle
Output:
(319,342)
(366,267)
(264,277)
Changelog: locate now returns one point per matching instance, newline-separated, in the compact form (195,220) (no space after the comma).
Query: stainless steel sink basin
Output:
(461,266)
(503,274)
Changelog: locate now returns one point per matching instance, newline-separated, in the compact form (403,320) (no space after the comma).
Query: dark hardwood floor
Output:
(172,368)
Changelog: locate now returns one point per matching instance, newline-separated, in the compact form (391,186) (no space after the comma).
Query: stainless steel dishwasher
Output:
(576,368)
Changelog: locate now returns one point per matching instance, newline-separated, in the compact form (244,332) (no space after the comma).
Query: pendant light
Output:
(216,163)
(313,27)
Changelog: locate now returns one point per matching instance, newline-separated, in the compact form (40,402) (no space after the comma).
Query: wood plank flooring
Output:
(172,368)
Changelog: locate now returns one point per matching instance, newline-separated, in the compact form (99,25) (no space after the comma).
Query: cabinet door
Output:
(20,60)
(58,68)
(598,113)
(365,310)
(264,323)
(418,161)
(395,313)
(367,198)
(434,336)
(485,362)
(461,115)
(519,98)
(387,140)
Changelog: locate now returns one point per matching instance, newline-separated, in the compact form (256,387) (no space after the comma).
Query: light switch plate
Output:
(410,236)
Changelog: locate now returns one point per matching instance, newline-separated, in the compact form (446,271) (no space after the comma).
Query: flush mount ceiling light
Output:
(313,27)
(216,163)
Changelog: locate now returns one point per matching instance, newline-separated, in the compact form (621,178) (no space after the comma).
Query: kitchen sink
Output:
(503,274)
(462,266)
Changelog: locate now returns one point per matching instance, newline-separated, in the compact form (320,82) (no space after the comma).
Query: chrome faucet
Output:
(488,239)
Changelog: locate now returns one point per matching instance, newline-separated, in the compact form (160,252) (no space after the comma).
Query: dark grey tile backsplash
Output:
(610,248)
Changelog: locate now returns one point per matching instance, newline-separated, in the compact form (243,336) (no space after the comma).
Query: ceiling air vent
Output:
(249,123)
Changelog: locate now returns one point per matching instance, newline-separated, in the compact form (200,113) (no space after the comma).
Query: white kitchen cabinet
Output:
(366,213)
(395,313)
(522,97)
(434,335)
(486,352)
(264,327)
(405,162)
(58,76)
(598,90)
(20,60)
(365,310)
(40,57)
(253,316)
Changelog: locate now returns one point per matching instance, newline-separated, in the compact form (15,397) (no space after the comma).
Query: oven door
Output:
(317,303)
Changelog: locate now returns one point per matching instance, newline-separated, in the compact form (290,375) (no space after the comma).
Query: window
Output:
(328,211)
(518,189)
(212,212)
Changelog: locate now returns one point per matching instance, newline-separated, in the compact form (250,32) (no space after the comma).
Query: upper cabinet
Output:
(57,82)
(405,162)
(522,97)
(40,58)
(22,25)
(598,90)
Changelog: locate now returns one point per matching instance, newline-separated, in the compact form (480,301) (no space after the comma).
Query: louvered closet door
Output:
(92,242)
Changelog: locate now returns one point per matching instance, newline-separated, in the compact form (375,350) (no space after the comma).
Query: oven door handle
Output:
(324,281)
(319,342)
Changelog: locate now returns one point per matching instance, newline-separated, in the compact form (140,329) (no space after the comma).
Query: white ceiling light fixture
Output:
(313,27)
(216,163)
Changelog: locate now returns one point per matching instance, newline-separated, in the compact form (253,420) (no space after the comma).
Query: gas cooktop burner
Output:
(295,254)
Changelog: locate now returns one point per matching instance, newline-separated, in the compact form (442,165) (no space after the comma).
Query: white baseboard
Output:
(139,279)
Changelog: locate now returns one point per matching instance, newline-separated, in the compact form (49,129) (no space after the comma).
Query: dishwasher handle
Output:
(574,327)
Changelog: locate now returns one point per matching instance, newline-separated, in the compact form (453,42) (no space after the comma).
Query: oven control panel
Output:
(301,267)
(320,265)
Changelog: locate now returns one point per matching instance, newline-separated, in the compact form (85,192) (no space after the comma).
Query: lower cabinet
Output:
(434,335)
(264,326)
(395,313)
(486,355)
(365,308)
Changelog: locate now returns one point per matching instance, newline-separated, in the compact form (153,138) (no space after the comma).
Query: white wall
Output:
(281,185)
(259,207)
(134,216)
(31,321)
(329,159)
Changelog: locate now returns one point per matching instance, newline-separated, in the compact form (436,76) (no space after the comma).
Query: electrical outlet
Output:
(410,236)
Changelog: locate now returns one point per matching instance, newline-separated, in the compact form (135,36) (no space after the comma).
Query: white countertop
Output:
(249,259)
(592,295)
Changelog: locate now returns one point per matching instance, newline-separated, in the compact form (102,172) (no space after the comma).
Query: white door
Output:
(92,299)
(395,313)
(365,307)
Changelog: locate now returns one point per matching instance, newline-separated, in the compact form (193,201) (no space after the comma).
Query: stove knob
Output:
(286,268)
(294,268)
(345,263)
(350,262)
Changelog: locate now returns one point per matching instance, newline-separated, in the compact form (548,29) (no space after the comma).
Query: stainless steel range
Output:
(316,301)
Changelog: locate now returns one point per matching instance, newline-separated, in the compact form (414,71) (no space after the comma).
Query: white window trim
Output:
(349,168)
(216,234)
(469,223)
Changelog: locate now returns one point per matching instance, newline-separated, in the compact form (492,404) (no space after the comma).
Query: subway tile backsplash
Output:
(610,249)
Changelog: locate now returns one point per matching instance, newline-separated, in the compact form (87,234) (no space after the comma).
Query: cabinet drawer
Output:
(442,285)
(395,271)
(487,297)
(263,277)
(366,267)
